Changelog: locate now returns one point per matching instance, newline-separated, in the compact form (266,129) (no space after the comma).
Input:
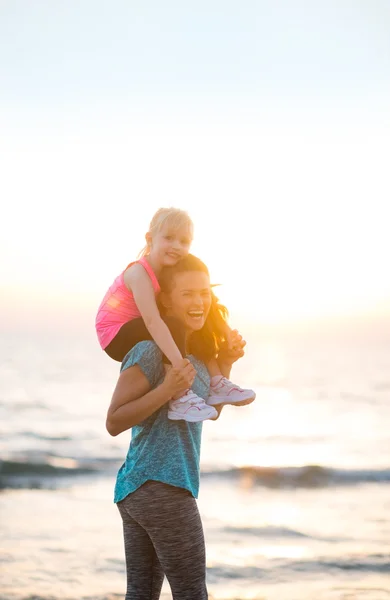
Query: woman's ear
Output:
(164,300)
(148,239)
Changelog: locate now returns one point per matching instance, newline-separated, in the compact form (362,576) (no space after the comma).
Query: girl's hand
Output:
(179,379)
(233,349)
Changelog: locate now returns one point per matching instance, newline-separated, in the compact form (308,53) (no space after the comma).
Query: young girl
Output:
(129,314)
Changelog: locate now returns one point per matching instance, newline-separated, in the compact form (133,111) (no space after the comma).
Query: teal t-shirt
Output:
(162,449)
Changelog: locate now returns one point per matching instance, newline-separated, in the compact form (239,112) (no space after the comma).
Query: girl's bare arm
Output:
(138,282)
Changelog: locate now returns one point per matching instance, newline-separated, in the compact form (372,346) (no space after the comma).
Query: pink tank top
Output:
(118,306)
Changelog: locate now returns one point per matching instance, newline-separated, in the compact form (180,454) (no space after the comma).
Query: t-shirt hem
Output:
(120,497)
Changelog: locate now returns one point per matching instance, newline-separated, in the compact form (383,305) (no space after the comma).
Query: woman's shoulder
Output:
(148,356)
(147,350)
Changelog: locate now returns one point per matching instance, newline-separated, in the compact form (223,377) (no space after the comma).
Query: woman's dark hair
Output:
(205,343)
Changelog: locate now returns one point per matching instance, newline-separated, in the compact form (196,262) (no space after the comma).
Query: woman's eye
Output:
(168,237)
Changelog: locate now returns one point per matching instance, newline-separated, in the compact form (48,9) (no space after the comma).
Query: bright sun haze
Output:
(285,177)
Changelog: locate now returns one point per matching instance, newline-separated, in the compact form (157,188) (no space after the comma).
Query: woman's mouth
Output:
(196,314)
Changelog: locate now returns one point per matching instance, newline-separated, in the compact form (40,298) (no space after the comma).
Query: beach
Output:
(294,491)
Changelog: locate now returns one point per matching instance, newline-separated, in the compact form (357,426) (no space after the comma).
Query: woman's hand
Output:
(179,379)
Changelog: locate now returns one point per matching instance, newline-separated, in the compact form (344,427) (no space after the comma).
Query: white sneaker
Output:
(226,392)
(190,407)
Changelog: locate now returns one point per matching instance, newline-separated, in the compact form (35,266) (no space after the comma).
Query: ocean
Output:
(295,488)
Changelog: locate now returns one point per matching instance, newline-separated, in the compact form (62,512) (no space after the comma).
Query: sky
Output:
(268,121)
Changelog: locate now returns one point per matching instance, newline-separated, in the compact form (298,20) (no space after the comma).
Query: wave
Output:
(309,476)
(377,563)
(40,469)
(49,438)
(269,532)
(52,467)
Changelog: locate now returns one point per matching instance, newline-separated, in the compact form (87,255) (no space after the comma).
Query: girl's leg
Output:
(213,368)
(171,518)
(136,331)
(223,391)
(144,573)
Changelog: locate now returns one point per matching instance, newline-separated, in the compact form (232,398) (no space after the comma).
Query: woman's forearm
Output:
(135,411)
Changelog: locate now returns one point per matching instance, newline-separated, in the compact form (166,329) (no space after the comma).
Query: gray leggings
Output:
(163,534)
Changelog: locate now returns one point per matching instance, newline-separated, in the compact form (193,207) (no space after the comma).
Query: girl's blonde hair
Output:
(174,218)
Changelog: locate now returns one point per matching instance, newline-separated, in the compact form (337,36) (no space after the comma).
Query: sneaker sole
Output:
(231,402)
(174,416)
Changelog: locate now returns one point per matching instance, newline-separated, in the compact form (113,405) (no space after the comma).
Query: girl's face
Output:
(168,246)
(190,299)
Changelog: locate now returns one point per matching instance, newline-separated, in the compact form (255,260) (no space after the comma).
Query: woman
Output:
(157,485)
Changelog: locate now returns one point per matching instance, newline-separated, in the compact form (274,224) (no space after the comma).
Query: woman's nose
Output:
(198,302)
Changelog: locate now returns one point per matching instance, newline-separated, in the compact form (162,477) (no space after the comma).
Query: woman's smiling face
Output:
(190,299)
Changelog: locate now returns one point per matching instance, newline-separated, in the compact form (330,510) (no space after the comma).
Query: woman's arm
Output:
(133,400)
(138,282)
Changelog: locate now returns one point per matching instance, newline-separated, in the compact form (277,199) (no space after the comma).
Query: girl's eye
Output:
(185,242)
(168,237)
